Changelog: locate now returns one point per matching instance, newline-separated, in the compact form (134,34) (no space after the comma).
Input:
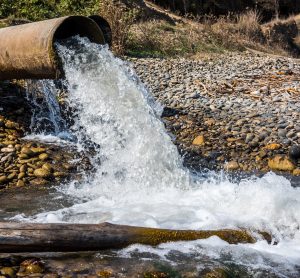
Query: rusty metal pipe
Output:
(104,26)
(27,51)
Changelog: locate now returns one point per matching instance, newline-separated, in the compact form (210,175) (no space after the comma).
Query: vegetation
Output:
(140,35)
(269,8)
(119,16)
(42,9)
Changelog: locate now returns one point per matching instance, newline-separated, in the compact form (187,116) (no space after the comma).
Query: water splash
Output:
(139,178)
(43,96)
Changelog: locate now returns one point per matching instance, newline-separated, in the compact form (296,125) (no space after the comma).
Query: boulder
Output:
(281,163)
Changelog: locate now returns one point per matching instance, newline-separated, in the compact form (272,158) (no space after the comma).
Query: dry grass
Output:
(249,26)
(120,19)
(208,35)
(159,38)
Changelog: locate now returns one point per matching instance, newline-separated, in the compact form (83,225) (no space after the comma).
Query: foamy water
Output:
(140,179)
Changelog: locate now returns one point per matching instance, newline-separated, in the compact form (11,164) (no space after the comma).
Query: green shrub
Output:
(42,9)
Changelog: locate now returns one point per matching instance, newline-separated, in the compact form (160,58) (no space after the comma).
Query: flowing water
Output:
(140,179)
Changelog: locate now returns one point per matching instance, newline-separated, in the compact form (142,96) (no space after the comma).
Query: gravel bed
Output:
(245,107)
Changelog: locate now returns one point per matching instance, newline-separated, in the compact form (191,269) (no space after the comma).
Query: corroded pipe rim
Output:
(104,26)
(61,32)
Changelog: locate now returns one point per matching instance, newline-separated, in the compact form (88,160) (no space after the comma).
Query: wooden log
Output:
(24,237)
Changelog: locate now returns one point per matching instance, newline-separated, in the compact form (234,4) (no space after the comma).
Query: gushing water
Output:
(140,179)
(43,96)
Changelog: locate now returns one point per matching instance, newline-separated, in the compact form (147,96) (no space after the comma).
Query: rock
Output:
(32,266)
(11,125)
(272,147)
(12,176)
(23,156)
(296,172)
(38,182)
(20,183)
(38,150)
(68,166)
(109,273)
(199,140)
(43,156)
(3,179)
(48,167)
(21,175)
(8,150)
(282,133)
(8,142)
(231,166)
(42,173)
(294,152)
(217,273)
(59,174)
(281,163)
(23,168)
(27,152)
(8,271)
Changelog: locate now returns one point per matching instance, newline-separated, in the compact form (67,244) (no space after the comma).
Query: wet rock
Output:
(43,156)
(27,151)
(11,125)
(272,147)
(39,182)
(38,150)
(42,173)
(294,152)
(3,179)
(105,273)
(217,273)
(169,112)
(12,176)
(231,166)
(281,163)
(59,174)
(48,167)
(32,266)
(68,166)
(199,140)
(296,172)
(20,183)
(23,168)
(8,272)
(8,150)
(21,175)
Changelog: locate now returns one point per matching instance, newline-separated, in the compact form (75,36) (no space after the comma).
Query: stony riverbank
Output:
(232,111)
(30,162)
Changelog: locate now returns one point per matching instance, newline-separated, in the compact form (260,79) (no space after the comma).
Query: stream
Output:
(139,177)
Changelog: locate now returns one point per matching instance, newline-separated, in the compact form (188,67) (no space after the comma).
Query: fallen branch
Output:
(24,237)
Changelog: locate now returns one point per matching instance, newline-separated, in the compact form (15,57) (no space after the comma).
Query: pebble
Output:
(8,150)
(281,163)
(20,183)
(8,272)
(3,179)
(199,140)
(294,152)
(43,156)
(231,166)
(42,173)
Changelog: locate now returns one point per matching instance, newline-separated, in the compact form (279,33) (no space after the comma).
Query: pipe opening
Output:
(79,25)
